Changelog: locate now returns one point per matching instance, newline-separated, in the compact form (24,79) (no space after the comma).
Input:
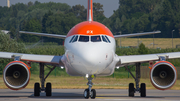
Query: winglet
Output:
(90,10)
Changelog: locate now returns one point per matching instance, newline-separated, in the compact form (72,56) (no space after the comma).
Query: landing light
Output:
(87,75)
(117,67)
(62,67)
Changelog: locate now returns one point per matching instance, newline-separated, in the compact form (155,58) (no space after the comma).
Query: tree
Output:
(117,24)
(107,23)
(79,11)
(142,49)
(32,25)
(14,13)
(13,33)
(60,24)
(9,45)
(98,11)
(45,18)
(30,4)
(36,3)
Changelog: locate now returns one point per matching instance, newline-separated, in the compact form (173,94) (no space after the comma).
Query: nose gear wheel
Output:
(89,92)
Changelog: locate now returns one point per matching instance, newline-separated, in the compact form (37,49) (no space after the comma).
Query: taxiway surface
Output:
(77,95)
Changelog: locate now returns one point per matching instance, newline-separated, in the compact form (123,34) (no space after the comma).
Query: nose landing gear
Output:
(89,92)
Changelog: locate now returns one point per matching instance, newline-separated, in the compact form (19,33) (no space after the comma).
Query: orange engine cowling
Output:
(163,75)
(16,75)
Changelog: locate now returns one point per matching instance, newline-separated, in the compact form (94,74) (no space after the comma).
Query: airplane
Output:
(89,52)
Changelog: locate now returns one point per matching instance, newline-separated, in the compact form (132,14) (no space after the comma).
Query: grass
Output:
(159,42)
(63,82)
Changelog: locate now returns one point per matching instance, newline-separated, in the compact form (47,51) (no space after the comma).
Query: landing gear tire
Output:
(36,89)
(48,89)
(131,90)
(86,93)
(93,94)
(143,90)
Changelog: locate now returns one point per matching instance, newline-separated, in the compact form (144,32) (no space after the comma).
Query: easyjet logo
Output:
(89,31)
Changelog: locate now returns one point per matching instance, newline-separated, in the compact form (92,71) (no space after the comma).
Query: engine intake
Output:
(16,75)
(163,75)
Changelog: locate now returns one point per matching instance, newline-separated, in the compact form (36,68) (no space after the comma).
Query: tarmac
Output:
(77,95)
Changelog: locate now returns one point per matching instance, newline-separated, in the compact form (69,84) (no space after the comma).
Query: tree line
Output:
(146,15)
(54,18)
(132,16)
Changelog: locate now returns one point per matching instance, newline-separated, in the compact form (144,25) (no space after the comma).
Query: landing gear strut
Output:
(89,92)
(37,88)
(141,90)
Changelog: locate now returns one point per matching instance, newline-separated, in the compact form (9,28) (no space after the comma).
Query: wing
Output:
(39,34)
(129,60)
(136,34)
(44,34)
(49,59)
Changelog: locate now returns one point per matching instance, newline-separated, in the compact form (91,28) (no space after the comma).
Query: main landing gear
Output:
(37,88)
(142,89)
(89,92)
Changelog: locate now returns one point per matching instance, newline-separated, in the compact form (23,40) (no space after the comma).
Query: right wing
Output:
(44,34)
(40,34)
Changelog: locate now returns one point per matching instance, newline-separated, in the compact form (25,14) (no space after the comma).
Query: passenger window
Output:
(95,38)
(104,39)
(75,39)
(108,39)
(84,38)
(71,39)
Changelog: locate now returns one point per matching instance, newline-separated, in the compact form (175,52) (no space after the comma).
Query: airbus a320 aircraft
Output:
(90,52)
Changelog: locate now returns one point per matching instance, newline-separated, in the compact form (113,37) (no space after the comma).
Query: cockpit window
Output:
(95,38)
(71,39)
(104,39)
(108,39)
(75,39)
(84,38)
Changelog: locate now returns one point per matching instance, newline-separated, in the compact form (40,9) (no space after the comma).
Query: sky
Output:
(109,5)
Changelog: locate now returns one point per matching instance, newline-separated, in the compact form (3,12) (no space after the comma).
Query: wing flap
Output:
(138,58)
(173,55)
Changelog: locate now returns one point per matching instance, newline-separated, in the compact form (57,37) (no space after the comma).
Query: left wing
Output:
(49,59)
(136,34)
(131,59)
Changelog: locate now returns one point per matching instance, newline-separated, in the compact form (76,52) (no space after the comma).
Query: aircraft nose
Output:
(95,60)
(92,57)
(90,60)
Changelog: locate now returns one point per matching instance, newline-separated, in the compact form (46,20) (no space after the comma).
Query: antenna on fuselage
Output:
(90,10)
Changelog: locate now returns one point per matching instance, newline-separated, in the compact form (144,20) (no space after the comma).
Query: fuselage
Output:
(89,49)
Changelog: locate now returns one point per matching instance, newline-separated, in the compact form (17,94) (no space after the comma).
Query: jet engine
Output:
(16,75)
(163,75)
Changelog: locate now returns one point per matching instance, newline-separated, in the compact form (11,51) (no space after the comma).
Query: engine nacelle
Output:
(16,75)
(163,75)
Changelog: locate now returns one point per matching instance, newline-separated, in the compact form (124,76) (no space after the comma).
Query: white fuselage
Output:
(92,58)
